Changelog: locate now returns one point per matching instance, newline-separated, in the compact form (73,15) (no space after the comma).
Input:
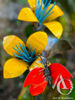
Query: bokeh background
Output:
(63,52)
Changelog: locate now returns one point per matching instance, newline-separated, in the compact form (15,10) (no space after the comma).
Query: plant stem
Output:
(35,98)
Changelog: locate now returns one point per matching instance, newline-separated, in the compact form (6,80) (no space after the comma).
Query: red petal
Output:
(58,69)
(36,90)
(36,76)
(67,83)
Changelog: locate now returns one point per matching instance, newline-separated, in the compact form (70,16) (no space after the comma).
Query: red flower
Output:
(39,77)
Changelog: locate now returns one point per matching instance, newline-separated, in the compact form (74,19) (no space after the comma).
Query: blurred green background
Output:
(63,52)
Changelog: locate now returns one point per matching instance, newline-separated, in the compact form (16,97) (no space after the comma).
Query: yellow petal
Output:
(32,4)
(56,13)
(26,14)
(55,27)
(11,41)
(36,63)
(38,40)
(14,68)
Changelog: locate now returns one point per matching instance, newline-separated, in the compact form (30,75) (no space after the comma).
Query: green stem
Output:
(35,98)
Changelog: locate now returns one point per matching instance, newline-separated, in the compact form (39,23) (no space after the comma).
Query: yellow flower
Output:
(25,56)
(43,14)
